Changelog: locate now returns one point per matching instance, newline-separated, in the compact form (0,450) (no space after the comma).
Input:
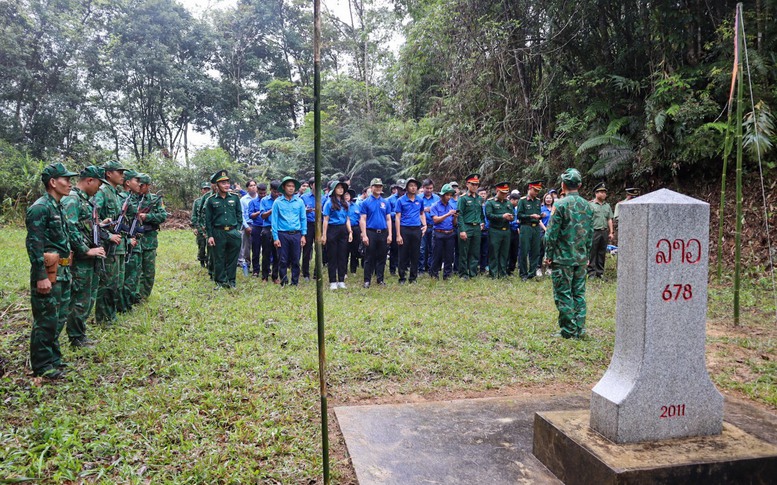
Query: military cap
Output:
(113,165)
(205,185)
(447,189)
(599,187)
(297,184)
(93,172)
(352,193)
(334,183)
(376,181)
(55,170)
(572,177)
(632,191)
(130,174)
(537,184)
(503,187)
(219,176)
(262,186)
(515,194)
(411,179)
(473,178)
(144,178)
(455,184)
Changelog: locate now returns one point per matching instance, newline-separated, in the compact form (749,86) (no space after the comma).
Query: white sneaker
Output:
(539,272)
(332,286)
(548,272)
(341,285)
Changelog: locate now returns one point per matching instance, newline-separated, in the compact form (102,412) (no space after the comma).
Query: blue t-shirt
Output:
(515,224)
(428,203)
(545,214)
(375,210)
(309,198)
(353,213)
(288,215)
(336,217)
(410,211)
(392,201)
(265,206)
(439,210)
(254,206)
(487,224)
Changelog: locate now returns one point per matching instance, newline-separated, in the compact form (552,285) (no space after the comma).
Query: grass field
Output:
(204,386)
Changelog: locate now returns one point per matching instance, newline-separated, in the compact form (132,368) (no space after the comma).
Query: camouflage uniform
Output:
(79,213)
(112,279)
(156,214)
(568,242)
(130,292)
(47,232)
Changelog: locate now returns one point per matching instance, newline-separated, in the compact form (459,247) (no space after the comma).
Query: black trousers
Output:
(337,251)
(515,246)
(393,251)
(483,251)
(443,254)
(269,255)
(256,250)
(353,248)
(307,251)
(409,252)
(598,252)
(375,255)
(289,256)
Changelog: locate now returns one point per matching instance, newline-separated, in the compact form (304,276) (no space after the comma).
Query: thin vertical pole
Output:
(740,109)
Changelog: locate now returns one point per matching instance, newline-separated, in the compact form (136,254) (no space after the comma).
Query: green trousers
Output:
(83,294)
(225,254)
(201,245)
(130,292)
(569,294)
(531,250)
(49,316)
(147,273)
(469,252)
(498,252)
(108,290)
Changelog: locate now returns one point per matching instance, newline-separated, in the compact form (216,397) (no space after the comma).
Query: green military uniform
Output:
(130,292)
(112,279)
(203,229)
(223,219)
(470,218)
(195,223)
(567,244)
(80,215)
(602,216)
(498,234)
(530,236)
(154,208)
(47,233)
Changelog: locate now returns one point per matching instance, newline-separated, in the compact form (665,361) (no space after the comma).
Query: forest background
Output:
(632,92)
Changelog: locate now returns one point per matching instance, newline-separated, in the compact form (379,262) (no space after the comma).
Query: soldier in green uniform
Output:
(223,218)
(129,294)
(499,212)
(529,212)
(470,224)
(631,192)
(111,280)
(567,244)
(195,223)
(603,232)
(152,214)
(48,246)
(87,251)
(201,219)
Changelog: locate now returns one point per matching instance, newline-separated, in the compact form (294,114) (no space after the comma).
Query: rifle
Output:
(96,235)
(134,229)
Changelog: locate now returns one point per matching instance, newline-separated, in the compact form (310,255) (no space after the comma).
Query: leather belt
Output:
(444,231)
(376,230)
(226,228)
(289,232)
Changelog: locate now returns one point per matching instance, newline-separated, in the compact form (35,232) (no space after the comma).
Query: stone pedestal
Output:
(657,386)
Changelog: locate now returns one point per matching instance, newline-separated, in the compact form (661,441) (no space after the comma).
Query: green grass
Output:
(204,386)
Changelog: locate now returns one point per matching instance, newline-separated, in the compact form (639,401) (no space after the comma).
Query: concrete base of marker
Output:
(565,443)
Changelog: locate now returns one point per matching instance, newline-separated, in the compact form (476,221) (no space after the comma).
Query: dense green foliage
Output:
(516,89)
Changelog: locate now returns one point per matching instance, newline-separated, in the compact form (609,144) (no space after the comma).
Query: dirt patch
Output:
(178,219)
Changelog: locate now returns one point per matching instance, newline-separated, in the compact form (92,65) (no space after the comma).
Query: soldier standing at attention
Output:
(223,217)
(567,244)
(130,195)
(195,223)
(499,212)
(48,246)
(80,218)
(375,224)
(603,231)
(289,228)
(208,248)
(152,215)
(631,192)
(112,279)
(470,224)
(529,215)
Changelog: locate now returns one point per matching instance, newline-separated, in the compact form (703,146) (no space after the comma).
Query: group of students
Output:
(91,246)
(414,229)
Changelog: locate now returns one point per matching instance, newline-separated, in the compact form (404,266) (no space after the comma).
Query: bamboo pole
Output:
(319,264)
(738,231)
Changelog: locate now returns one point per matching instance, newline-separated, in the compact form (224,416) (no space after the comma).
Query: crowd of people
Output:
(91,246)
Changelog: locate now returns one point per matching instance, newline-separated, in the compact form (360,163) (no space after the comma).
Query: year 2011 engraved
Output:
(673,411)
(675,292)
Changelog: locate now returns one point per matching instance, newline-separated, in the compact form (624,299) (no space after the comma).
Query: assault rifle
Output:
(134,230)
(97,232)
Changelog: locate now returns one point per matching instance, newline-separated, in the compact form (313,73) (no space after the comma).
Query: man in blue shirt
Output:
(397,191)
(443,215)
(289,229)
(309,198)
(483,193)
(269,251)
(252,214)
(375,224)
(429,199)
(410,223)
(246,227)
(354,215)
